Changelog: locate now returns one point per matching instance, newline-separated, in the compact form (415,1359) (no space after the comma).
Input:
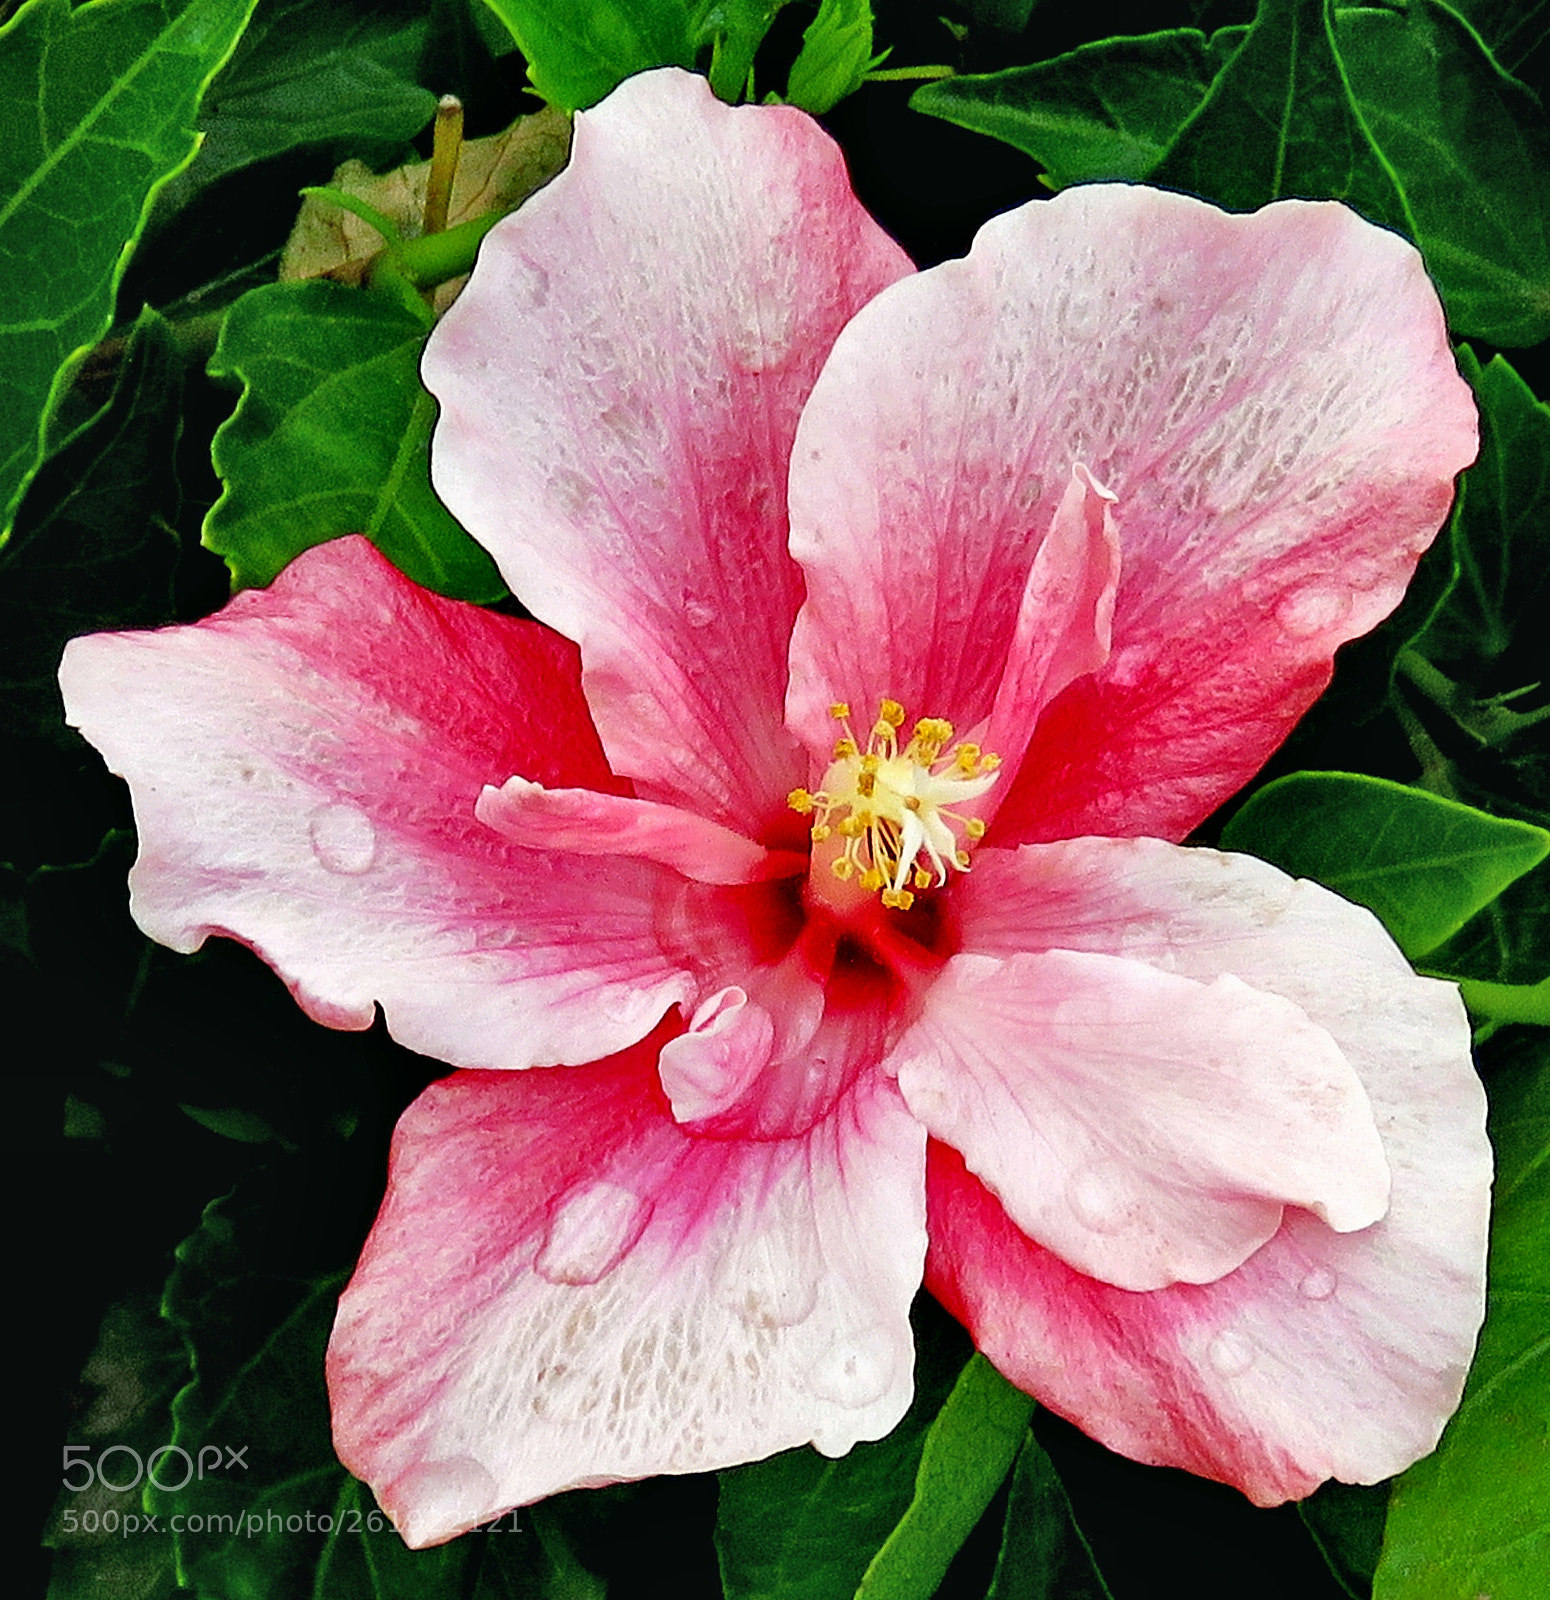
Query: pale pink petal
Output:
(536,1311)
(1064,623)
(305,767)
(584,822)
(620,384)
(1272,400)
(1146,1127)
(1325,1354)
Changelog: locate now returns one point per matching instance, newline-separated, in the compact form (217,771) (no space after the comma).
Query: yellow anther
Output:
(966,757)
(911,802)
(974,827)
(898,899)
(851,827)
(800,801)
(872,879)
(866,784)
(891,712)
(839,710)
(922,878)
(870,762)
(842,867)
(820,832)
(934,730)
(844,749)
(989,763)
(962,858)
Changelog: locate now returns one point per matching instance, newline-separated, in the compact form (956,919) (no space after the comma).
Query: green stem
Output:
(909,74)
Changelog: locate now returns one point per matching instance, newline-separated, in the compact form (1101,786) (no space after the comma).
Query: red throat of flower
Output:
(888,820)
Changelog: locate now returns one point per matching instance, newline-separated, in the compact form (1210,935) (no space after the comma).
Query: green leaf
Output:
(313,75)
(835,58)
(96,113)
(331,436)
(1474,1518)
(1043,1553)
(1105,111)
(578,50)
(94,545)
(1510,28)
(736,29)
(1470,153)
(1424,864)
(968,1452)
(1404,115)
(804,1527)
(1489,634)
(1346,1521)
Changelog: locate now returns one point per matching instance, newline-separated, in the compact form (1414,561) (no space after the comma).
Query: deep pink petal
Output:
(620,384)
(592,824)
(1270,397)
(1325,1354)
(1146,1127)
(566,1289)
(305,767)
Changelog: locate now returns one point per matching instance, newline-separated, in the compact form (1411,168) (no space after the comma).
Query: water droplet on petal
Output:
(1231,1354)
(1307,612)
(854,1372)
(343,840)
(1098,1197)
(699,615)
(1319,1284)
(590,1233)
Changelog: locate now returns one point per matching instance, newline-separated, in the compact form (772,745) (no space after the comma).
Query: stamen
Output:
(894,808)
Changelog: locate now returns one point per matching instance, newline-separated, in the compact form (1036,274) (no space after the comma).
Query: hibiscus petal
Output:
(305,766)
(536,1311)
(587,823)
(620,384)
(1270,397)
(1324,1354)
(1146,1127)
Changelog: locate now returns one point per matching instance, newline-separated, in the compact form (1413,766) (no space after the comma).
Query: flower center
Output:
(893,809)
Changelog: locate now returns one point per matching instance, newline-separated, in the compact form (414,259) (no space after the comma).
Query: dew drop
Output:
(699,615)
(590,1233)
(854,1372)
(1308,612)
(1319,1284)
(1097,1197)
(772,1304)
(1231,1354)
(343,840)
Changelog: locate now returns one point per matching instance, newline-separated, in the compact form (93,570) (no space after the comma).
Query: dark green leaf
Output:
(1490,634)
(1401,114)
(1043,1554)
(1470,152)
(1424,864)
(736,29)
(577,50)
(1510,28)
(968,1452)
(97,106)
(836,56)
(1346,1521)
(1279,120)
(1107,110)
(803,1527)
(1474,1518)
(332,437)
(314,75)
(94,545)
(138,1365)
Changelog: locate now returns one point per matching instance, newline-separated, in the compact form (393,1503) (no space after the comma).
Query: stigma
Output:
(890,814)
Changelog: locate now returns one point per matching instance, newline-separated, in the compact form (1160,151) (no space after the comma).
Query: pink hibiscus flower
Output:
(790,1005)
